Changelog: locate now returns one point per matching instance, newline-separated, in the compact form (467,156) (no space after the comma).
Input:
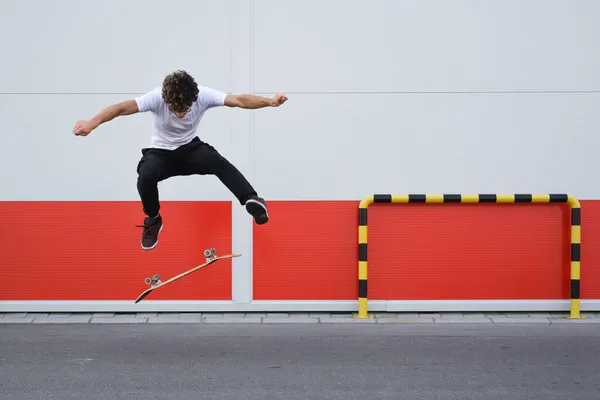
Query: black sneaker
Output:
(258,209)
(152,227)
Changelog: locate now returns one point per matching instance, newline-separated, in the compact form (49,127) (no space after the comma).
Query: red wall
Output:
(308,251)
(91,251)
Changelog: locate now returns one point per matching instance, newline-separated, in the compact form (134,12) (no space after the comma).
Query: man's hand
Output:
(83,128)
(279,99)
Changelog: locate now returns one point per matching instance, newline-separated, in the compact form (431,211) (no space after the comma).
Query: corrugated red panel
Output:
(424,251)
(307,251)
(91,251)
(468,251)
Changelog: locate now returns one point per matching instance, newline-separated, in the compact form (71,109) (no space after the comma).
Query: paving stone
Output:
(461,320)
(38,315)
(124,315)
(539,314)
(277,315)
(89,315)
(190,315)
(428,315)
(348,320)
(16,320)
(79,319)
(146,315)
(556,320)
(517,315)
(168,315)
(559,313)
(301,314)
(520,320)
(291,320)
(408,320)
(60,315)
(103,315)
(405,315)
(256,315)
(473,315)
(234,315)
(130,320)
(15,315)
(228,320)
(454,315)
(175,320)
(212,315)
(319,315)
(383,315)
(349,315)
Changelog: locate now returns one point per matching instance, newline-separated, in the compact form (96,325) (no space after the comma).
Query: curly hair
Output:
(179,91)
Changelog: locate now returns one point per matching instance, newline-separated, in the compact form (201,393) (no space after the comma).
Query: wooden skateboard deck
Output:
(156,283)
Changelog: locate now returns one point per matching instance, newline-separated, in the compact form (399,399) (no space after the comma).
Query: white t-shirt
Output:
(171,132)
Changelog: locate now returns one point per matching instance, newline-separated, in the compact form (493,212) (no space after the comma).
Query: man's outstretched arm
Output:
(252,102)
(128,107)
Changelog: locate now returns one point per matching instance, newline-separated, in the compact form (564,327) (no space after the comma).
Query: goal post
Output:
(470,199)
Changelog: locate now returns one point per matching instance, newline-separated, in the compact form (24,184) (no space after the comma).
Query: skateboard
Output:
(155,282)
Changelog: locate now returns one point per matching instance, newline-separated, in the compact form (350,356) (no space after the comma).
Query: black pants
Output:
(194,158)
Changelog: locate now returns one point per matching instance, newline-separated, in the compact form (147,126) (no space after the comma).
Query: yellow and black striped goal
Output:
(466,199)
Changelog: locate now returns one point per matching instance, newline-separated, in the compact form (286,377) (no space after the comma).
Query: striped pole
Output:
(575,258)
(575,305)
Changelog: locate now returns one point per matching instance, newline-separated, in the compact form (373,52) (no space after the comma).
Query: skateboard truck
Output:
(155,280)
(210,254)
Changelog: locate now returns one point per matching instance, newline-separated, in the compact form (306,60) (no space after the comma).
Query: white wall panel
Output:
(418,143)
(111,46)
(349,146)
(43,160)
(423,46)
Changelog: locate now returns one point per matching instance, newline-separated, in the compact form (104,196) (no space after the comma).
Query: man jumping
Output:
(174,148)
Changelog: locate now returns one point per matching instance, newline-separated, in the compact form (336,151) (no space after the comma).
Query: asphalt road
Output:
(314,361)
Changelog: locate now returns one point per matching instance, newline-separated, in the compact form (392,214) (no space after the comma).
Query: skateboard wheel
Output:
(213,251)
(148,281)
(207,253)
(156,277)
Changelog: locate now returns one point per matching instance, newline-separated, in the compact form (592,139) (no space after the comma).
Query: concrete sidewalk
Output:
(298,318)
